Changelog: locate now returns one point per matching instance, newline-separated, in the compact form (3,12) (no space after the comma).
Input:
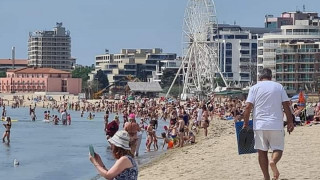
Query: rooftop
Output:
(145,86)
(16,61)
(38,71)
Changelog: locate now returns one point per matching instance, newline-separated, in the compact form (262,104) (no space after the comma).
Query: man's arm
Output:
(287,111)
(246,114)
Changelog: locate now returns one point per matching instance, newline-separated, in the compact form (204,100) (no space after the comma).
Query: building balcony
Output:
(245,56)
(305,70)
(245,78)
(306,79)
(286,80)
(286,61)
(244,70)
(285,70)
(306,60)
(244,63)
(289,51)
(244,48)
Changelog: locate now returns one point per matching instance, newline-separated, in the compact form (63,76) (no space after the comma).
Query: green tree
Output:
(102,79)
(168,77)
(175,92)
(82,72)
(2,74)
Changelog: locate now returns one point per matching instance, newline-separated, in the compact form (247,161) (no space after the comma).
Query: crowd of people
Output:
(181,121)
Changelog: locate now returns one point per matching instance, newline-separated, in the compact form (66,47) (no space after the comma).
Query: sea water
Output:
(47,151)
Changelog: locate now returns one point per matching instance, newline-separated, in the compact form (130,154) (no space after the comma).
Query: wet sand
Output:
(216,157)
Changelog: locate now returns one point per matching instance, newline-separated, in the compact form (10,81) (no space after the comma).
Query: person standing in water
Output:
(64,117)
(69,119)
(4,112)
(132,128)
(106,119)
(33,115)
(6,133)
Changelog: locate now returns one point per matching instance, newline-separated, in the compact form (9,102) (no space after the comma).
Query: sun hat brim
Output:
(119,141)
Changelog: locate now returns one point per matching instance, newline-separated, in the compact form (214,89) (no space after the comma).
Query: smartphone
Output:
(91,150)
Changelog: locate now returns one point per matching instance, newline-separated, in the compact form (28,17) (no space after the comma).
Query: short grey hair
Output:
(265,73)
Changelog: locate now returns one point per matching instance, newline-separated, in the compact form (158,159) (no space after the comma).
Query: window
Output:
(228,52)
(229,46)
(245,52)
(229,74)
(228,68)
(241,36)
(229,36)
(244,75)
(245,44)
(228,61)
(254,46)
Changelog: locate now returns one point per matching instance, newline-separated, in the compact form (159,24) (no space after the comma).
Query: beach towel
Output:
(245,138)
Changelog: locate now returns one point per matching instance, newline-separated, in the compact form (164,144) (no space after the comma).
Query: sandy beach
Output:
(216,157)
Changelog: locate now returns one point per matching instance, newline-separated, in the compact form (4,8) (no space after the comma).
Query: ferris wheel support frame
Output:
(200,54)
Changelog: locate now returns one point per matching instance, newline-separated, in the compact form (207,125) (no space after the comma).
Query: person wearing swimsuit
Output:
(205,120)
(125,168)
(181,125)
(150,136)
(132,128)
(6,133)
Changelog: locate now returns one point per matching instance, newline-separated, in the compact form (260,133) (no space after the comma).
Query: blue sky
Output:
(96,25)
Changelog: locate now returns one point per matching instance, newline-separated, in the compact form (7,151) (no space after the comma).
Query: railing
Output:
(305,70)
(306,79)
(285,70)
(289,79)
(306,60)
(311,50)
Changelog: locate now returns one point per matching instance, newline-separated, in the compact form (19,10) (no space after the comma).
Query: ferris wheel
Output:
(200,48)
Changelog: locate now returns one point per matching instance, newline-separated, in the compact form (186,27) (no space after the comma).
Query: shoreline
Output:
(216,157)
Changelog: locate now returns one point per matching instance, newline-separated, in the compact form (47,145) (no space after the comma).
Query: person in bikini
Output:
(132,128)
(6,133)
(205,120)
(181,125)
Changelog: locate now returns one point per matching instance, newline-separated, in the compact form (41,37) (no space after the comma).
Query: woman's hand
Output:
(96,160)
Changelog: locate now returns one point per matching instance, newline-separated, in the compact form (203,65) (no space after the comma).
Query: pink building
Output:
(39,80)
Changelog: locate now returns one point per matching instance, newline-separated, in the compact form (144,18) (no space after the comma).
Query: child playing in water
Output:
(166,140)
(56,120)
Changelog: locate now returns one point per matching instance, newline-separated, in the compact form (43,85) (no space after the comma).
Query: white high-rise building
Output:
(293,54)
(238,52)
(303,29)
(51,49)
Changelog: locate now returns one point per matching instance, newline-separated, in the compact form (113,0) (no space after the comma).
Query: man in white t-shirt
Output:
(268,99)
